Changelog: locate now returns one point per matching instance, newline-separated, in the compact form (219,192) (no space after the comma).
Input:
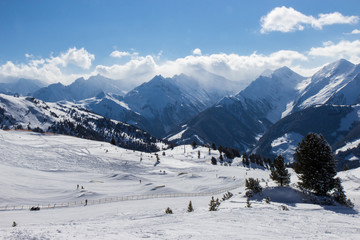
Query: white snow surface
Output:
(45,169)
(349,145)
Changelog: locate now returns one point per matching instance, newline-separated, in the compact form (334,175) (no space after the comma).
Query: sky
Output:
(59,41)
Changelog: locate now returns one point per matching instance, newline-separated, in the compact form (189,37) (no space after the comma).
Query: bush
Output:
(253,185)
(227,196)
(35,209)
(214,205)
(168,211)
(284,208)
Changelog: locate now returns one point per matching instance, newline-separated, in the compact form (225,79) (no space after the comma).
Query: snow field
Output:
(38,168)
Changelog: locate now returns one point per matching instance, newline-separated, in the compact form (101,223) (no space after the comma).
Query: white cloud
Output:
(135,71)
(355,31)
(120,54)
(197,51)
(138,69)
(232,66)
(285,19)
(29,55)
(48,69)
(78,57)
(343,49)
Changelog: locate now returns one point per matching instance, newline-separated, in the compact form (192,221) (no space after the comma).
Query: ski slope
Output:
(45,169)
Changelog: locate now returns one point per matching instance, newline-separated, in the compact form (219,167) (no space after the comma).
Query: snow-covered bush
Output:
(214,204)
(168,211)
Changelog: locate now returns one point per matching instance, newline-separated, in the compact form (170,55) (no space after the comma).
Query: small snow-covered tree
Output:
(168,211)
(214,204)
(315,164)
(190,207)
(280,174)
(253,185)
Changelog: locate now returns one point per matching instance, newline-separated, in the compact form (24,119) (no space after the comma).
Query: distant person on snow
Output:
(85,202)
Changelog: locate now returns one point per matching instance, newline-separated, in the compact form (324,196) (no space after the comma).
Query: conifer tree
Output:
(280,174)
(315,164)
(213,161)
(190,207)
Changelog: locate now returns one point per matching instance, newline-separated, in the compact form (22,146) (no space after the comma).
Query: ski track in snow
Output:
(46,168)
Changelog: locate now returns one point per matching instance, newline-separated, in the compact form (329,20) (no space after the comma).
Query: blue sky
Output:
(62,40)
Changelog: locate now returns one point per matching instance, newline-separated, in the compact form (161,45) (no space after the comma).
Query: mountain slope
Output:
(339,125)
(22,87)
(162,103)
(242,118)
(336,83)
(31,113)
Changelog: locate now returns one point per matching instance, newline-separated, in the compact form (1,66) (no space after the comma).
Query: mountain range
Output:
(268,117)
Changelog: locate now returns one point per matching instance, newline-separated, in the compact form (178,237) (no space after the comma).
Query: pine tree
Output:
(190,207)
(213,161)
(315,164)
(280,174)
(213,146)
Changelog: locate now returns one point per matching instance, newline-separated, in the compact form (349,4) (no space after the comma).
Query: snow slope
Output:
(39,168)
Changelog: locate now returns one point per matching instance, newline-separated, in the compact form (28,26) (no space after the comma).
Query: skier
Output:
(77,186)
(85,202)
(140,181)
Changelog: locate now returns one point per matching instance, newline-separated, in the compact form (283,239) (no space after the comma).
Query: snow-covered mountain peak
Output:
(337,68)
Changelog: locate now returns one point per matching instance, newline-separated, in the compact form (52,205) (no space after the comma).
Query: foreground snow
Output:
(45,169)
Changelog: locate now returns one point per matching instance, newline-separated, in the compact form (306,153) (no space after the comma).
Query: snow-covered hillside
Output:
(45,169)
(32,114)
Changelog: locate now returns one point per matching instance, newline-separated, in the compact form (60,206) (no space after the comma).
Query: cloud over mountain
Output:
(287,19)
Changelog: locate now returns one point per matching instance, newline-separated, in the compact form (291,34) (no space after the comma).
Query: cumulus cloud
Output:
(78,57)
(355,31)
(285,19)
(196,51)
(343,49)
(134,72)
(48,69)
(139,69)
(232,66)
